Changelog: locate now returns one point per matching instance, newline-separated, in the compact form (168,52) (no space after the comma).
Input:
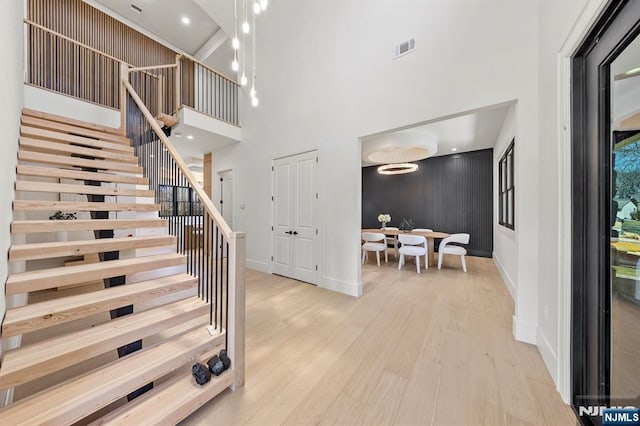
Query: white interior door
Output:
(295,217)
(226,196)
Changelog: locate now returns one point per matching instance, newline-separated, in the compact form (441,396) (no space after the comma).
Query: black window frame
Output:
(506,187)
(169,207)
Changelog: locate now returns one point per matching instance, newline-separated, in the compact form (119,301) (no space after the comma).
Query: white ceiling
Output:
(164,19)
(469,132)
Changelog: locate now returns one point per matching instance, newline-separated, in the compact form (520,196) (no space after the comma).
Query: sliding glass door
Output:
(606,229)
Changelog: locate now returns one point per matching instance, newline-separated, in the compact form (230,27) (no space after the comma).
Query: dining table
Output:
(430,236)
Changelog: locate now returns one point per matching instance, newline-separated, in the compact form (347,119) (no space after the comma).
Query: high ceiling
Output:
(468,132)
(164,19)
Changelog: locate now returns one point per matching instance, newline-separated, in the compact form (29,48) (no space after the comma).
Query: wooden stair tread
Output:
(40,315)
(75,399)
(65,160)
(61,188)
(72,121)
(34,226)
(29,362)
(168,403)
(83,206)
(29,170)
(24,282)
(82,247)
(49,135)
(49,147)
(73,129)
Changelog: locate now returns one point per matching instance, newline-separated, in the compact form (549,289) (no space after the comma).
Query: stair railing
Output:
(216,254)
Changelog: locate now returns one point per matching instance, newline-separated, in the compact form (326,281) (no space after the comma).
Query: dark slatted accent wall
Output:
(452,193)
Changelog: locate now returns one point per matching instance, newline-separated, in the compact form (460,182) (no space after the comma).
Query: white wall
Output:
(505,244)
(557,18)
(323,87)
(67,106)
(11,77)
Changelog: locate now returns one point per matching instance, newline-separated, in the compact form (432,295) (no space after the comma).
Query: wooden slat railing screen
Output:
(75,49)
(209,92)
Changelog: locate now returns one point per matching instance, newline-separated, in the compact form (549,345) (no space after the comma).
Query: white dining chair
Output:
(392,240)
(374,241)
(413,245)
(446,247)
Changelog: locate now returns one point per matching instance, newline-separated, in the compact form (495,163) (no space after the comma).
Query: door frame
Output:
(616,27)
(233,189)
(317,210)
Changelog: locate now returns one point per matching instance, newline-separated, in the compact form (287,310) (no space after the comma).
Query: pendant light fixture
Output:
(245,22)
(253,93)
(397,168)
(264,4)
(243,77)
(256,8)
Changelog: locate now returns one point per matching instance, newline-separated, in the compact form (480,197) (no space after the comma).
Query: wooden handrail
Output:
(206,201)
(191,58)
(153,67)
(57,34)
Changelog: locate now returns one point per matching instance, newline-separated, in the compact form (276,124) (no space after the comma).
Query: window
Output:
(179,201)
(506,189)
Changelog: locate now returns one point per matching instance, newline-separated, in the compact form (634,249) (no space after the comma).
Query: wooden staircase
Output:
(66,325)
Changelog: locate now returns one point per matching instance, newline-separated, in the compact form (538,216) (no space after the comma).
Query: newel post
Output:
(236,331)
(124,76)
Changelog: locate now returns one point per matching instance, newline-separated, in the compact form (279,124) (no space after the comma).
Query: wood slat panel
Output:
(61,65)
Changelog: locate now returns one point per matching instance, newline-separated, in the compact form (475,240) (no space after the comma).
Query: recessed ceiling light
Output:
(189,136)
(454,149)
(185,20)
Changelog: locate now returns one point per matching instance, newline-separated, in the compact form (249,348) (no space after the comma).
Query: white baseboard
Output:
(524,331)
(259,266)
(351,289)
(548,354)
(505,276)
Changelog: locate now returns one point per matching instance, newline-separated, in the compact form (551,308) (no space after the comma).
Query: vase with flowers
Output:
(384,218)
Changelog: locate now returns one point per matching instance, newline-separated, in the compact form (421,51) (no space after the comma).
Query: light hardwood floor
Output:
(428,349)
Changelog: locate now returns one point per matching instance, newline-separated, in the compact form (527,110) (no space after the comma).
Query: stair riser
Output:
(44,281)
(42,365)
(103,304)
(25,170)
(80,248)
(36,157)
(70,206)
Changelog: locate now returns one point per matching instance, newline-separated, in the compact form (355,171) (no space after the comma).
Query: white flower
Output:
(384,218)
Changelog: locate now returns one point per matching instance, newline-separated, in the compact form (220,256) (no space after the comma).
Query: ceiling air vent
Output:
(404,48)
(135,8)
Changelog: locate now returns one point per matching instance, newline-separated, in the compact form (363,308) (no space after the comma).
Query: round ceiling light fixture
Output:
(397,168)
(399,147)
